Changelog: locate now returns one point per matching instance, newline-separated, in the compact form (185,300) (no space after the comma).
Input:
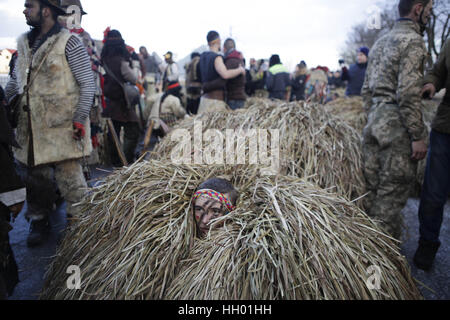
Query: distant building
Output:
(5,58)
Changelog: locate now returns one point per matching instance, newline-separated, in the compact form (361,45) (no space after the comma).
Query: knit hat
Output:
(274,60)
(364,50)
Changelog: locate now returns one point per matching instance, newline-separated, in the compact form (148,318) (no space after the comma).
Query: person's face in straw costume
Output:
(206,210)
(209,204)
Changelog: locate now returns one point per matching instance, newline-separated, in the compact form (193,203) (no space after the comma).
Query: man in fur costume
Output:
(53,87)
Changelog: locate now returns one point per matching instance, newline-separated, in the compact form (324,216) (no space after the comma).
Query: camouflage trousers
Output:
(41,183)
(388,169)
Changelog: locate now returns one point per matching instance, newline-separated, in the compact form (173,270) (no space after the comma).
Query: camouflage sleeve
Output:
(366,94)
(438,74)
(410,81)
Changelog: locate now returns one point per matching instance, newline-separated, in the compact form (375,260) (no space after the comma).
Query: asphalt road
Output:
(33,262)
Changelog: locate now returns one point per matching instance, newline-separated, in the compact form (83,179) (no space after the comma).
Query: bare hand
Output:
(419,149)
(428,91)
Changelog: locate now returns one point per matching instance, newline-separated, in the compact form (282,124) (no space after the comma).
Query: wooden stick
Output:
(148,137)
(117,142)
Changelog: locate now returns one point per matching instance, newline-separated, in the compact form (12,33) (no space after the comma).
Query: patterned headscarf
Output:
(215,196)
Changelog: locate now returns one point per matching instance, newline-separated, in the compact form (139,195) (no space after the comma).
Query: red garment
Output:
(77,31)
(80,126)
(102,86)
(95,143)
(236,86)
(105,34)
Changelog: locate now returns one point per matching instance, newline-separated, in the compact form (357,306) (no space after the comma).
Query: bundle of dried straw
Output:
(312,143)
(288,239)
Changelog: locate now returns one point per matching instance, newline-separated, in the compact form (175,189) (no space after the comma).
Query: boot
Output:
(38,233)
(425,255)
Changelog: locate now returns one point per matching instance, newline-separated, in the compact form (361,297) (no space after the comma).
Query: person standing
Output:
(394,139)
(213,74)
(236,96)
(54,86)
(436,187)
(117,61)
(278,80)
(258,77)
(193,84)
(299,81)
(89,44)
(152,70)
(355,75)
(171,84)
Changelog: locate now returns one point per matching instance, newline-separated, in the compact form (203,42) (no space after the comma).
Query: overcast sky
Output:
(310,30)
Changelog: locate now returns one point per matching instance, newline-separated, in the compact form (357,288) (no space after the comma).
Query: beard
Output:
(35,22)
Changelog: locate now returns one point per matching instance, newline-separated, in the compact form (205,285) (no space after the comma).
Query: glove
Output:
(79,131)
(95,143)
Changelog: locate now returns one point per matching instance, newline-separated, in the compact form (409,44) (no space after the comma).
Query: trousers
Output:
(436,187)
(41,183)
(388,168)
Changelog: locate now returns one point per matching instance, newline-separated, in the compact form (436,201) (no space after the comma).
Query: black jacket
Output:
(9,180)
(298,87)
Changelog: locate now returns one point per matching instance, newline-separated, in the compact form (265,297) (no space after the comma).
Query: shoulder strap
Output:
(109,72)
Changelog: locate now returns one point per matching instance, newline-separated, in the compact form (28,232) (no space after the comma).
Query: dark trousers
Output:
(9,274)
(236,104)
(436,187)
(131,139)
(192,105)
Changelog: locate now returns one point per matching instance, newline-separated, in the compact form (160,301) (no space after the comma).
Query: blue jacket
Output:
(277,82)
(355,77)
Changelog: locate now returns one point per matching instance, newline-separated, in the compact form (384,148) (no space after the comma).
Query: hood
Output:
(234,54)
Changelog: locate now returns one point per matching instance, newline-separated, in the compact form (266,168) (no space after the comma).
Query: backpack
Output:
(193,74)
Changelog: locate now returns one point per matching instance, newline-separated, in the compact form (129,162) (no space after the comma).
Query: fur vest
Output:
(54,96)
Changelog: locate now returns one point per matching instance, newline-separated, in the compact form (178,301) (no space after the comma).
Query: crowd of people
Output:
(63,87)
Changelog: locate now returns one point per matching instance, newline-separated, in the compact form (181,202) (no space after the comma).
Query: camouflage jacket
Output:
(440,77)
(395,75)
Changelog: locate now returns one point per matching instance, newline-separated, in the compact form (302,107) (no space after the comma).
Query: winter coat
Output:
(116,105)
(193,83)
(440,77)
(298,84)
(355,77)
(278,81)
(236,86)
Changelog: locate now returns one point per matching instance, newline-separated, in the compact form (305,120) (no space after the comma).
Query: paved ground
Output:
(436,284)
(33,262)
